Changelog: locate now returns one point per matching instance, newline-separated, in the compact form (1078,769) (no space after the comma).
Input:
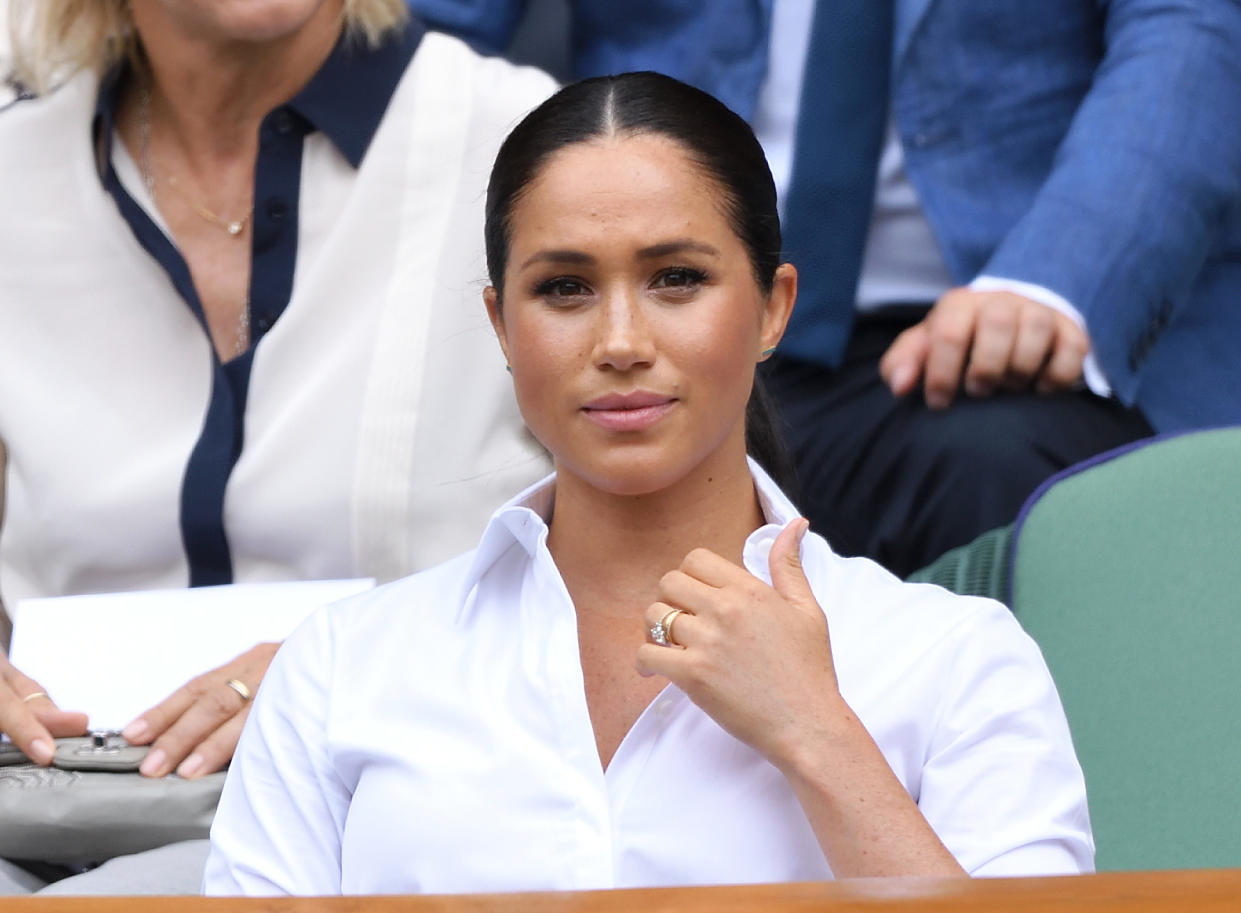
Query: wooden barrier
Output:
(1205,891)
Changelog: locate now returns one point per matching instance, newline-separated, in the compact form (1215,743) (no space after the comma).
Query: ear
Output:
(778,308)
(491,298)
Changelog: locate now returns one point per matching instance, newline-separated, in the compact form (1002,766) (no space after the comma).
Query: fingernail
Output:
(902,377)
(805,528)
(190,766)
(152,763)
(42,751)
(936,400)
(135,730)
(976,388)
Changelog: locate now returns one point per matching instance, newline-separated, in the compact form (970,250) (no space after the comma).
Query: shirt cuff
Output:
(1092,374)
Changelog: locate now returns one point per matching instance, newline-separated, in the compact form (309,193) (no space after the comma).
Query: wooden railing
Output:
(1206,891)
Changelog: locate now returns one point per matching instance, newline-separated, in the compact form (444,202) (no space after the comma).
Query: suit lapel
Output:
(909,15)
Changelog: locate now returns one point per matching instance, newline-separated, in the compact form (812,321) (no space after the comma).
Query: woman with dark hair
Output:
(631,680)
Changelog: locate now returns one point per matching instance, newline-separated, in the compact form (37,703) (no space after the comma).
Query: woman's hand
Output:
(756,658)
(30,718)
(196,730)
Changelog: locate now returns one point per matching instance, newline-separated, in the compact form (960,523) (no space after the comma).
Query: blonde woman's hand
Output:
(756,658)
(30,718)
(195,730)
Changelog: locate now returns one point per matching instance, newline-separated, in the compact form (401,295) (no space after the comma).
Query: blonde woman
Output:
(239,241)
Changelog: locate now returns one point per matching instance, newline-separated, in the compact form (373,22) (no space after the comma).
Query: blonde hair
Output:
(53,39)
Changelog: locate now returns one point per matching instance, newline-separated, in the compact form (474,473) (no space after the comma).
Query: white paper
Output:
(115,655)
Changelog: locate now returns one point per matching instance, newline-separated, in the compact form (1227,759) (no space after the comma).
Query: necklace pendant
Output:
(234,228)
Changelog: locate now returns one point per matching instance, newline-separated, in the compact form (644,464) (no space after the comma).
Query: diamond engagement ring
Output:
(661,632)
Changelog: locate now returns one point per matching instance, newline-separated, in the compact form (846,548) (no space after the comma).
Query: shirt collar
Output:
(345,100)
(522,521)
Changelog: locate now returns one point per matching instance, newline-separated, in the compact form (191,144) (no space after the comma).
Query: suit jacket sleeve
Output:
(1143,182)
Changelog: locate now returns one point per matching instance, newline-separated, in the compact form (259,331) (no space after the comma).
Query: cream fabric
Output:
(381,429)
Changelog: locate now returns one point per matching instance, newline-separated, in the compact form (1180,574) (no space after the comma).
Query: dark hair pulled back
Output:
(715,138)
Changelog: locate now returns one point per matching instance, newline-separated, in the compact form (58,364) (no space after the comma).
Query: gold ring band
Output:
(240,687)
(35,696)
(666,624)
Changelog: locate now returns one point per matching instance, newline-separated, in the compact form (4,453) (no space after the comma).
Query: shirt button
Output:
(283,123)
(277,209)
(263,324)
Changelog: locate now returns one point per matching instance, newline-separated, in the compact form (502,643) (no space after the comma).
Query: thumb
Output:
(784,563)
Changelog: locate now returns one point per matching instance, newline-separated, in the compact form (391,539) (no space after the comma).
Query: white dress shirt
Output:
(433,736)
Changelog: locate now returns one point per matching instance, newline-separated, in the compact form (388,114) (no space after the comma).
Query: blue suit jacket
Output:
(720,46)
(1089,146)
(1094,148)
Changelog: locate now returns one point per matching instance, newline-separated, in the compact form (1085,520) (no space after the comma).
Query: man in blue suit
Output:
(1061,182)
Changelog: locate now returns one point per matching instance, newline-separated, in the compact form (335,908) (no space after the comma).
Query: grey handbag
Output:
(92,804)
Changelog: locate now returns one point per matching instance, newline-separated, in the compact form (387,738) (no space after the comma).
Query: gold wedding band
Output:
(665,626)
(35,696)
(240,687)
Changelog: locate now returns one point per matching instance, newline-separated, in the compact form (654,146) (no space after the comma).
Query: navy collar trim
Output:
(345,100)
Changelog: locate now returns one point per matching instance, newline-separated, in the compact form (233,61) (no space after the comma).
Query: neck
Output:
(613,549)
(209,92)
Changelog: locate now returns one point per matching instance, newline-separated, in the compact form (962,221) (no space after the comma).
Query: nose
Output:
(623,338)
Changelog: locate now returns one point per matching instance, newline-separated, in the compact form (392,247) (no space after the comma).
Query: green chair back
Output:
(1128,574)
(977,569)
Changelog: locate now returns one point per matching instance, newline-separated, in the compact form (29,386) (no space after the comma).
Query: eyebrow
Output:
(653,252)
(675,247)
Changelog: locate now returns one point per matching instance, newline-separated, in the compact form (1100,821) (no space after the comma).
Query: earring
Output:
(766,352)
(508,368)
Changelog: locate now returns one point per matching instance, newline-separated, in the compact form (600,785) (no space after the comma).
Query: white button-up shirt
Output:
(433,736)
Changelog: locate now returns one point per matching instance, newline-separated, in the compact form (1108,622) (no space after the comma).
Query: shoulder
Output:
(494,86)
(876,619)
(408,607)
(29,122)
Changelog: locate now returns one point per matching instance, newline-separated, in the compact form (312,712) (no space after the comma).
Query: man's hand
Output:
(195,731)
(984,342)
(30,718)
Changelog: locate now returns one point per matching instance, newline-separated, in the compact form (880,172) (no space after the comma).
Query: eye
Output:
(561,290)
(679,279)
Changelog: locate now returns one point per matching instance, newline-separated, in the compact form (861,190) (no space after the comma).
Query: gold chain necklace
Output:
(234,228)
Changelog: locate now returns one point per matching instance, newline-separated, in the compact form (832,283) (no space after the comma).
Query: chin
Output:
(631,475)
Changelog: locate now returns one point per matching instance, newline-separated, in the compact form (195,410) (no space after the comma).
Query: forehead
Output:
(618,185)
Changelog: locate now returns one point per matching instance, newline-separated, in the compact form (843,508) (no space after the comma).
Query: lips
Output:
(629,411)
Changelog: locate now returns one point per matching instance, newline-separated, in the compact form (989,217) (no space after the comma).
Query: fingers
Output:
(984,342)
(33,723)
(211,705)
(902,365)
(1064,368)
(153,722)
(679,628)
(995,339)
(1035,339)
(215,751)
(951,325)
(61,723)
(201,720)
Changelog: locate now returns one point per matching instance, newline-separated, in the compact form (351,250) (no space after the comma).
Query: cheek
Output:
(545,356)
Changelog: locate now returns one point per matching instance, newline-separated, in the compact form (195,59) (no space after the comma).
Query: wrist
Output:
(833,738)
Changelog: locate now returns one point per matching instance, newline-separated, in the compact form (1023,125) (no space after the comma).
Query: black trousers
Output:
(890,479)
